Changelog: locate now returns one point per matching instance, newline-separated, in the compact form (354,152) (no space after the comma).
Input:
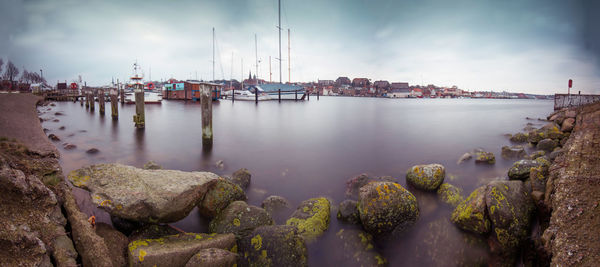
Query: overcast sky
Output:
(521,46)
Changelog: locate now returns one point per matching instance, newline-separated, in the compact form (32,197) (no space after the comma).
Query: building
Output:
(326,82)
(381,85)
(399,90)
(360,82)
(343,81)
(174,90)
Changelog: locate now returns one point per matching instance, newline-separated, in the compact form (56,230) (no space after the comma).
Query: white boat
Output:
(245,95)
(149,98)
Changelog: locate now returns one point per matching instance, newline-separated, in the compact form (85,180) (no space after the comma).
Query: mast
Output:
(213,61)
(289,62)
(256,56)
(279,28)
(270,73)
(231,74)
(242,80)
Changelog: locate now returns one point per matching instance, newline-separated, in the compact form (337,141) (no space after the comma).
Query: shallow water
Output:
(306,149)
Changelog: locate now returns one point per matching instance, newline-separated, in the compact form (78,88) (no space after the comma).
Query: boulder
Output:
(547,144)
(348,212)
(538,176)
(115,241)
(520,169)
(550,130)
(62,128)
(568,125)
(240,219)
(555,154)
(386,208)
(241,177)
(536,154)
(570,113)
(92,151)
(509,208)
(358,249)
(354,184)
(485,157)
(311,218)
(152,231)
(213,257)
(519,138)
(53,137)
(464,157)
(534,136)
(450,194)
(219,196)
(470,215)
(513,152)
(175,250)
(68,146)
(154,196)
(274,245)
(151,165)
(426,177)
(558,117)
(278,207)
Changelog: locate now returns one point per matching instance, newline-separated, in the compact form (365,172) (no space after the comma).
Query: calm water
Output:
(305,149)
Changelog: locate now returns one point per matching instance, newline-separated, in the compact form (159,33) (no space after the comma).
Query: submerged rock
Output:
(513,152)
(53,137)
(278,207)
(275,245)
(354,184)
(151,165)
(348,212)
(240,219)
(69,146)
(311,218)
(450,194)
(464,157)
(154,196)
(536,154)
(519,138)
(221,193)
(92,151)
(470,214)
(242,177)
(175,250)
(358,249)
(387,208)
(426,177)
(213,257)
(485,157)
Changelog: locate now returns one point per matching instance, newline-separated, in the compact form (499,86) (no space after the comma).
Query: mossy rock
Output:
(151,165)
(470,214)
(520,169)
(386,209)
(358,249)
(550,130)
(239,218)
(354,184)
(213,257)
(274,245)
(536,154)
(219,196)
(311,218)
(450,194)
(348,212)
(513,152)
(509,208)
(426,177)
(538,177)
(535,136)
(278,207)
(242,177)
(485,157)
(547,144)
(519,138)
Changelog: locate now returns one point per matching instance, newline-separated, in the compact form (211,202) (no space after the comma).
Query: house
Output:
(416,93)
(399,90)
(381,85)
(326,82)
(174,90)
(360,82)
(343,81)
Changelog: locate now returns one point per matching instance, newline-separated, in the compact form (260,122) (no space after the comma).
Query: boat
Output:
(150,97)
(287,91)
(246,95)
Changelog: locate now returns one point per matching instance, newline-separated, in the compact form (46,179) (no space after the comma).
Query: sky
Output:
(526,46)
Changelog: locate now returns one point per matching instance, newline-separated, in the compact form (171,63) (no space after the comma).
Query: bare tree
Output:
(11,72)
(1,63)
(25,77)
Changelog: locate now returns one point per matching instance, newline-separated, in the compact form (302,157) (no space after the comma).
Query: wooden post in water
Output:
(140,117)
(101,101)
(86,94)
(307,94)
(233,95)
(296,95)
(317,94)
(256,95)
(113,104)
(206,107)
(279,94)
(122,96)
(92,100)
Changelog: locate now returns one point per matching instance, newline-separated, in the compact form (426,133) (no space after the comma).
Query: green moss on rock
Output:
(274,245)
(239,218)
(426,177)
(470,214)
(450,194)
(485,157)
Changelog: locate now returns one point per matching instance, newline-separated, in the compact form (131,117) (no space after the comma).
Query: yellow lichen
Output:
(256,242)
(142,254)
(137,243)
(313,226)
(236,222)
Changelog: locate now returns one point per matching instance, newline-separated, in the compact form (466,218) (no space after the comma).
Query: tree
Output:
(11,72)
(25,77)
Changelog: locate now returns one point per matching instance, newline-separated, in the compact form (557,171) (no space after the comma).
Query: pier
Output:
(568,100)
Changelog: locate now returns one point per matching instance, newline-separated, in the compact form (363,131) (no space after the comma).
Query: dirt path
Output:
(574,231)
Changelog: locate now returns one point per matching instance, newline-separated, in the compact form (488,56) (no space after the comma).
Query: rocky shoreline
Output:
(542,213)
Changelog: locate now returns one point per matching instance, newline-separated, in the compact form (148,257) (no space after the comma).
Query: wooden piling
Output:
(86,94)
(113,104)
(317,94)
(296,95)
(101,102)
(279,94)
(140,117)
(307,94)
(206,107)
(92,100)
(256,95)
(233,95)
(122,96)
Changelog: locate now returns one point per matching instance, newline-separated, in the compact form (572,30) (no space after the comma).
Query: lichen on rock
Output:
(470,214)
(426,177)
(311,218)
(450,194)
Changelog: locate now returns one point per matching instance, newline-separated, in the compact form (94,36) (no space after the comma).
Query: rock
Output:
(275,245)
(463,158)
(555,154)
(348,212)
(278,207)
(354,184)
(154,196)
(125,226)
(311,218)
(68,146)
(551,130)
(450,194)
(175,250)
(240,219)
(386,208)
(213,257)
(470,214)
(59,113)
(53,137)
(426,177)
(558,117)
(568,125)
(55,120)
(220,164)
(519,138)
(241,177)
(485,157)
(443,244)
(92,151)
(537,196)
(152,231)
(151,165)
(358,249)
(115,241)
(219,196)
(509,208)
(570,114)
(538,176)
(520,169)
(536,154)
(62,128)
(534,137)
(547,144)
(513,152)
